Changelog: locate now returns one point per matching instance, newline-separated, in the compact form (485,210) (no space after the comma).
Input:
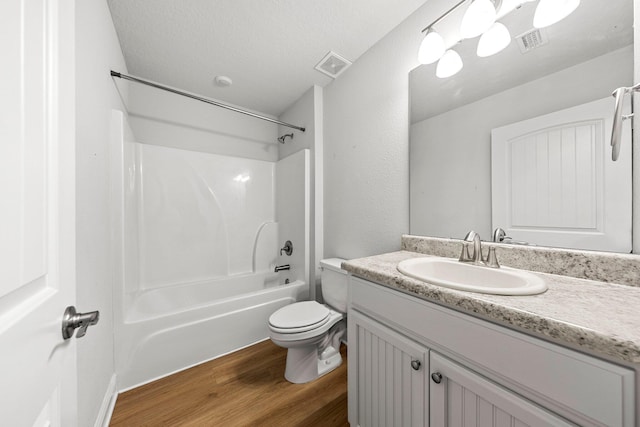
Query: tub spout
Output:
(282,267)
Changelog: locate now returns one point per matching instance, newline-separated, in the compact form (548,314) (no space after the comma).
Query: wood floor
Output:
(246,388)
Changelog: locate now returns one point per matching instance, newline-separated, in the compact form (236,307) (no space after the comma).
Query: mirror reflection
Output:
(549,172)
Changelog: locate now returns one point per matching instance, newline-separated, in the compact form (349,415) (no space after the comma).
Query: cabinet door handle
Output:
(415,364)
(436,377)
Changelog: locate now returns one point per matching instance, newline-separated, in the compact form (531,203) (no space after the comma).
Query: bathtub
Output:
(166,330)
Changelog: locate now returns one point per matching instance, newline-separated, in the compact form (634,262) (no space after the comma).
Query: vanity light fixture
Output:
(449,64)
(480,15)
(480,19)
(509,6)
(549,12)
(432,48)
(495,39)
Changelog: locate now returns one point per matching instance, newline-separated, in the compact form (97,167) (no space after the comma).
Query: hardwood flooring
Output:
(246,388)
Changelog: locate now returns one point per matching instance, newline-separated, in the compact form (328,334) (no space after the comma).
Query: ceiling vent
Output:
(530,40)
(332,65)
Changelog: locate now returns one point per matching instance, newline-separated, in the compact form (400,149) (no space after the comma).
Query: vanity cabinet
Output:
(415,363)
(391,375)
(460,397)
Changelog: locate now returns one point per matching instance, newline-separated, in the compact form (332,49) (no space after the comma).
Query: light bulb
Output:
(508,6)
(449,64)
(495,39)
(431,49)
(549,12)
(480,15)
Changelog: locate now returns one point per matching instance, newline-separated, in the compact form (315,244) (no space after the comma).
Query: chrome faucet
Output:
(282,267)
(465,256)
(476,258)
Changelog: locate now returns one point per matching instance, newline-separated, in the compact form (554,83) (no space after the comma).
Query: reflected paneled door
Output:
(554,183)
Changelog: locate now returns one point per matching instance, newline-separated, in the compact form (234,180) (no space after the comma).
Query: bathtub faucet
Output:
(282,267)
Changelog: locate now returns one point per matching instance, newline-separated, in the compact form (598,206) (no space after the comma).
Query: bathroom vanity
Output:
(421,354)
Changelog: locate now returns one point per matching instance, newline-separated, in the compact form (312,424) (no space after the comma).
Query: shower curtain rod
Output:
(200,98)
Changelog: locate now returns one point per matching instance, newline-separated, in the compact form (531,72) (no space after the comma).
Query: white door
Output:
(37,212)
(553,181)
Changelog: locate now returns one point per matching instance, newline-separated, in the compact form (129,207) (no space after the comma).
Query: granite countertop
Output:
(596,317)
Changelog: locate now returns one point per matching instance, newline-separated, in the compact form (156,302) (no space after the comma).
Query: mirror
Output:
(580,59)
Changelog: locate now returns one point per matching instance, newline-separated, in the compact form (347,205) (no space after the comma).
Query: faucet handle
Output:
(492,259)
(465,256)
(288,248)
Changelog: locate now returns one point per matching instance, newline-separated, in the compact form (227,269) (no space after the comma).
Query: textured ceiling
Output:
(267,47)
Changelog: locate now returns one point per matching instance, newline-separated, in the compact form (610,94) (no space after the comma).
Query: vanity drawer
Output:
(582,388)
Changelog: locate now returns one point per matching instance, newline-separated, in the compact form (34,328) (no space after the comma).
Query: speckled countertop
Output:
(596,317)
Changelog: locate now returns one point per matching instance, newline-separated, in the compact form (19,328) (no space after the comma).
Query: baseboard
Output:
(108,403)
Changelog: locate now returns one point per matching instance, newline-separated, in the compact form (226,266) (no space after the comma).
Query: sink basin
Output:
(468,277)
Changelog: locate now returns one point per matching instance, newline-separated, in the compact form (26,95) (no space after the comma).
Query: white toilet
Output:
(312,331)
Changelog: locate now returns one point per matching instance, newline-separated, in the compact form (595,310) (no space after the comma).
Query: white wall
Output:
(97,51)
(163,118)
(292,184)
(199,214)
(366,115)
(307,112)
(450,160)
(366,144)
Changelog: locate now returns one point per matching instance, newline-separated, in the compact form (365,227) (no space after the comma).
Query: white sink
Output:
(468,277)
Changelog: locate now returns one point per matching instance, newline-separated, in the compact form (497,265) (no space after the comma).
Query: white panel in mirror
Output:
(554,184)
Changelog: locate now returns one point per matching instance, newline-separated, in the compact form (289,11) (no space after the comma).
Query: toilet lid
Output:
(300,317)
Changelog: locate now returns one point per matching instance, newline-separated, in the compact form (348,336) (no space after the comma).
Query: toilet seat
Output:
(299,317)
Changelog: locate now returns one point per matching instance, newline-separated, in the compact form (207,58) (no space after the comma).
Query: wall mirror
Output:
(575,62)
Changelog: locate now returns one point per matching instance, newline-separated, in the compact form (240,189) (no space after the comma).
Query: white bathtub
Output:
(173,328)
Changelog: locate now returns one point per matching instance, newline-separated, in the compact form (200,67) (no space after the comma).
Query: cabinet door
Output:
(389,372)
(460,397)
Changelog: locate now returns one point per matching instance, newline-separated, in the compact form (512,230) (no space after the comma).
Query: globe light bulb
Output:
(549,12)
(480,15)
(449,64)
(495,39)
(431,49)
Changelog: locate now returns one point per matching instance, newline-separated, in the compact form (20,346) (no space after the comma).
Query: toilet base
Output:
(304,364)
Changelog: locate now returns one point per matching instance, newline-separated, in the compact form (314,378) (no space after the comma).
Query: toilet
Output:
(312,331)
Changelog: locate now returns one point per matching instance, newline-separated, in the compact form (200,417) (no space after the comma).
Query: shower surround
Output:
(200,237)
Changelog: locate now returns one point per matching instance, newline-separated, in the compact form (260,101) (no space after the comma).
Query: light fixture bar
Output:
(444,15)
(448,12)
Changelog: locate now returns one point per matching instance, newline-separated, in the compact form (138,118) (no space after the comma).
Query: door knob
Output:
(436,377)
(72,320)
(415,364)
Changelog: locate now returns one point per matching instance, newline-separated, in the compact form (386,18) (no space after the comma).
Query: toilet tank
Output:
(333,281)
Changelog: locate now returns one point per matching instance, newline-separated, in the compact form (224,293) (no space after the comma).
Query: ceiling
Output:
(267,47)
(593,29)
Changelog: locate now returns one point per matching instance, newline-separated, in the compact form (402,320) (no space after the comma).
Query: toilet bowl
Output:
(312,331)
